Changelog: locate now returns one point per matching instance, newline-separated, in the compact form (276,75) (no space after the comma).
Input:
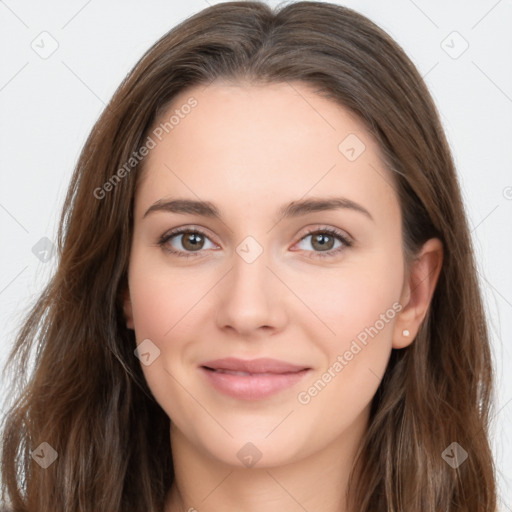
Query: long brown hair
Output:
(86,396)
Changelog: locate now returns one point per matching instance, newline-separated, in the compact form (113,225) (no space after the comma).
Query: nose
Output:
(251,300)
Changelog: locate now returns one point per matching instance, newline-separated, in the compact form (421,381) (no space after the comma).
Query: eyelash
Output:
(189,254)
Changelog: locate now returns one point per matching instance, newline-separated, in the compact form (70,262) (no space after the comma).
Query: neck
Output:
(315,482)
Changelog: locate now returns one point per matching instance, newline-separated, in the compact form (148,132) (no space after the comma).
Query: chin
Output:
(251,449)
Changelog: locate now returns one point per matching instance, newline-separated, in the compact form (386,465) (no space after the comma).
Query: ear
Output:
(419,285)
(127,307)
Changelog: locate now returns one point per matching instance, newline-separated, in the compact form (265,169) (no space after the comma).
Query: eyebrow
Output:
(290,210)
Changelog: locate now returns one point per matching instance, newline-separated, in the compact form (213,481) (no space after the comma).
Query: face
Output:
(256,274)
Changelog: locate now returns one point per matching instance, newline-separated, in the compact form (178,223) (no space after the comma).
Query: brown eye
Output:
(192,241)
(322,242)
(185,242)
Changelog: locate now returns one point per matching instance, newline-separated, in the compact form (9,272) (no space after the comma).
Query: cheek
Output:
(162,296)
(357,353)
(359,305)
(349,299)
(160,304)
(165,305)
(362,309)
(355,358)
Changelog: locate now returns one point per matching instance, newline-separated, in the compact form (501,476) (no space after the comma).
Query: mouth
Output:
(252,379)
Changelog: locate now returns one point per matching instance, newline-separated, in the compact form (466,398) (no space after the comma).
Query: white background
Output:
(48,107)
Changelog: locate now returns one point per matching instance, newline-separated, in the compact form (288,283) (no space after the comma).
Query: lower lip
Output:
(252,387)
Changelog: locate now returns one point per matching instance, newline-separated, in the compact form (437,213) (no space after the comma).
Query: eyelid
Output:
(323,228)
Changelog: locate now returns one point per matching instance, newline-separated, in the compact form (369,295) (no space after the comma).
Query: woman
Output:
(266,297)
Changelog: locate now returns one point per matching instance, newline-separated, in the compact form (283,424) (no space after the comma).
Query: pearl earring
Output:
(405,332)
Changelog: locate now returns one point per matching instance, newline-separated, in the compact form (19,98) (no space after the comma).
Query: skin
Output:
(250,149)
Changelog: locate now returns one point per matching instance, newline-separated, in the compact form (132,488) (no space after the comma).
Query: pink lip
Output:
(266,376)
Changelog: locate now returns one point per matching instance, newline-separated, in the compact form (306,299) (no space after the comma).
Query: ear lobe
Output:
(418,291)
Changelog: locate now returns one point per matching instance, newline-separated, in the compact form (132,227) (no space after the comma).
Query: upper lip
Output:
(262,365)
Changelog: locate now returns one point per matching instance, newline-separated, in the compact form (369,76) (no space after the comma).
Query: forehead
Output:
(259,142)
